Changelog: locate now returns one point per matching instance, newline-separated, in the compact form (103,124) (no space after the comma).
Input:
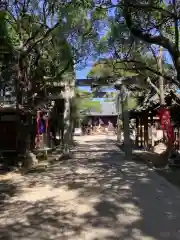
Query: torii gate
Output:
(119,85)
(109,81)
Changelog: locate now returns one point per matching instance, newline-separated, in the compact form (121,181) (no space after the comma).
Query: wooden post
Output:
(125,114)
(137,131)
(151,129)
(146,137)
(140,130)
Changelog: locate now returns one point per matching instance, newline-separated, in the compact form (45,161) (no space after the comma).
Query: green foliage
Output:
(134,31)
(132,103)
(154,23)
(6,53)
(83,104)
(110,68)
(48,39)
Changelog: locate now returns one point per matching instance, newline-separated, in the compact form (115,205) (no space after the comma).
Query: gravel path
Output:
(96,195)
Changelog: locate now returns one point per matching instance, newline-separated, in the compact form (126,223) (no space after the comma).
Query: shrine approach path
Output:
(95,195)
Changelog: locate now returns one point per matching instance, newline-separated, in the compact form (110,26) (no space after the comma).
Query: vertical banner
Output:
(38,129)
(166,125)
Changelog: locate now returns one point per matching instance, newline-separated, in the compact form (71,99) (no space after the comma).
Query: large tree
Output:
(38,30)
(157,24)
(153,23)
(45,41)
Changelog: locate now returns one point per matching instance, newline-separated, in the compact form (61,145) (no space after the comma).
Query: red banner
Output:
(166,124)
(38,122)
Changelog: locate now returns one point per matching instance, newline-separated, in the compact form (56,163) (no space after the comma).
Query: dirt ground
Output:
(96,195)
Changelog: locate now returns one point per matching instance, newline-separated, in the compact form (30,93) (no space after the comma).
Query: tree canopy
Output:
(138,29)
(43,42)
(46,40)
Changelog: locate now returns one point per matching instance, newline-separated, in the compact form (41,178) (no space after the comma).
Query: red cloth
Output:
(38,122)
(166,125)
(47,124)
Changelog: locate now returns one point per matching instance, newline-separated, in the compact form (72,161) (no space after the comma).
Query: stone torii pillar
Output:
(120,85)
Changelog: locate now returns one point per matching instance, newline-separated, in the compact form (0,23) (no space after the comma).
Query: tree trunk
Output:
(67,124)
(161,79)
(71,131)
(178,69)
(119,109)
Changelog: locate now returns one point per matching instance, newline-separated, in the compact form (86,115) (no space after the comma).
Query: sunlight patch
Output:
(144,180)
(42,193)
(82,170)
(125,187)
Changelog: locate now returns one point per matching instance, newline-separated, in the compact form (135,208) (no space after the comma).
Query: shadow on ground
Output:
(7,190)
(93,196)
